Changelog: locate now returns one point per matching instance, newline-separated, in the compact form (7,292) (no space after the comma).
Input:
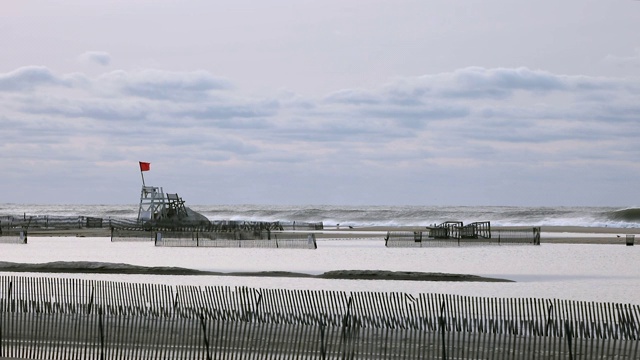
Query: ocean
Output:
(588,272)
(359,216)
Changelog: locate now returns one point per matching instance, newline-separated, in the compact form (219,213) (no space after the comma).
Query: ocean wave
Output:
(360,216)
(625,215)
(120,212)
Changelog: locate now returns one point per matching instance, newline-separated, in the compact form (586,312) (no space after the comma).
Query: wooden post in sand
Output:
(630,239)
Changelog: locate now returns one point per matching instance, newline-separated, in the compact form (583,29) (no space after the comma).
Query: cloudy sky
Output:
(397,102)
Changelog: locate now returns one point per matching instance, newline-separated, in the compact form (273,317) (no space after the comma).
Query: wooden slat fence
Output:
(50,318)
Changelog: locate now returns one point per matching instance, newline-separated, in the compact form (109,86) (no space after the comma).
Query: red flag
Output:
(145,166)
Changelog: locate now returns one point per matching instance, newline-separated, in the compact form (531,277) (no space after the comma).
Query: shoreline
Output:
(549,234)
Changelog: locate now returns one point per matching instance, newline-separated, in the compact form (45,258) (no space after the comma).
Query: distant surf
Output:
(366,215)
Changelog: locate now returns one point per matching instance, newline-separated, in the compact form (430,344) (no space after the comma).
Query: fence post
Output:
(90,301)
(10,297)
(630,239)
(442,325)
(346,329)
(89,305)
(569,335)
(536,236)
(204,333)
(101,328)
(257,310)
(2,312)
(323,349)
(176,301)
(550,310)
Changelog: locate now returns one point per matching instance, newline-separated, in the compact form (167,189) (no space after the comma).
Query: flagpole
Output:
(144,166)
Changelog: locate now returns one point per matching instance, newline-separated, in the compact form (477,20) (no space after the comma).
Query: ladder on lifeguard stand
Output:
(153,204)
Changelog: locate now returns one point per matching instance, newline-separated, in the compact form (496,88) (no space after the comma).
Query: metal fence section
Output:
(265,239)
(63,222)
(131,234)
(47,221)
(121,223)
(521,236)
(42,318)
(517,236)
(12,235)
(76,222)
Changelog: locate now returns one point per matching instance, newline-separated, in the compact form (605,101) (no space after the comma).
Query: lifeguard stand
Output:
(153,204)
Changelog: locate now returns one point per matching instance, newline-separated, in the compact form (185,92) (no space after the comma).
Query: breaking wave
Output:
(631,215)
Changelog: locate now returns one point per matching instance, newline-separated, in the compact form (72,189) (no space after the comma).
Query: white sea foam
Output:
(366,215)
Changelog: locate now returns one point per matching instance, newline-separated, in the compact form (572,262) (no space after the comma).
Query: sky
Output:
(328,102)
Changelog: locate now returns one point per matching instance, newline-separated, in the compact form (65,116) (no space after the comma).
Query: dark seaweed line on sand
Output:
(85,267)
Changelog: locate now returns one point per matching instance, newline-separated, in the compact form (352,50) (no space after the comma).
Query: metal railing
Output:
(265,239)
(521,236)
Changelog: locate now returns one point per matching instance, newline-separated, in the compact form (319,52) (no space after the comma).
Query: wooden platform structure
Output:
(53,318)
(446,230)
(457,230)
(175,206)
(476,230)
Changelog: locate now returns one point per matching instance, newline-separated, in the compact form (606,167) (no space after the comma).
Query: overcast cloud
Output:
(322,102)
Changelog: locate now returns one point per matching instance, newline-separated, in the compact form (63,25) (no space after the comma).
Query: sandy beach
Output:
(549,235)
(339,238)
